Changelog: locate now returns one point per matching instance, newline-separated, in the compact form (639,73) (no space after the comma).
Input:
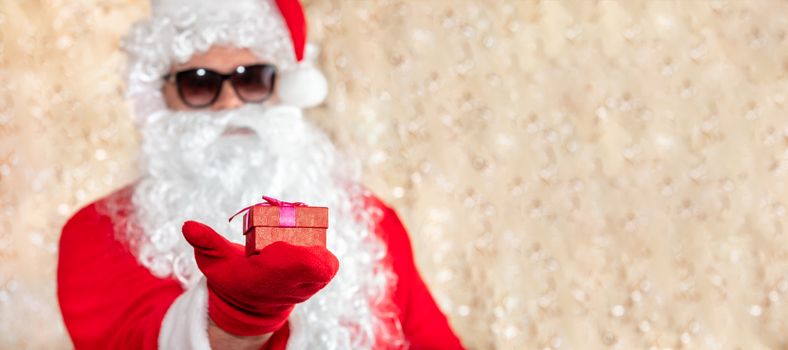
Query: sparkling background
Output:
(575,175)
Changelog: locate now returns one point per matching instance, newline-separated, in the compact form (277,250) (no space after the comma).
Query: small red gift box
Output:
(275,220)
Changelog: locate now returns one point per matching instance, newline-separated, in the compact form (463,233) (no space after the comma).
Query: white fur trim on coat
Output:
(185,326)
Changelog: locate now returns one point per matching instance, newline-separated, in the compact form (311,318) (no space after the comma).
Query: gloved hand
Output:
(255,295)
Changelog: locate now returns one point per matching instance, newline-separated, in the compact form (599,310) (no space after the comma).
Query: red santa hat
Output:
(274,29)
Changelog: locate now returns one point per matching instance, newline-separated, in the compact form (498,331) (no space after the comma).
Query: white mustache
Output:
(261,125)
(200,129)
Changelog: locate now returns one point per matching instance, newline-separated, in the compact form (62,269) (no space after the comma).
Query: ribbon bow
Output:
(286,211)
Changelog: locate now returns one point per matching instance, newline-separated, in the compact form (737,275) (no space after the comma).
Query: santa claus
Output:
(217,89)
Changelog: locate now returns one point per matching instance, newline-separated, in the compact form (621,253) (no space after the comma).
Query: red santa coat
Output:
(109,301)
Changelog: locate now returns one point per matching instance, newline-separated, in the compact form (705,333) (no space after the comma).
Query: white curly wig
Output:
(174,34)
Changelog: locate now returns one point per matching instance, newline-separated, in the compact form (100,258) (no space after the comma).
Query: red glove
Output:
(255,295)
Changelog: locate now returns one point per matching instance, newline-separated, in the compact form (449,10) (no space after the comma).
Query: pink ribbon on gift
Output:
(287,211)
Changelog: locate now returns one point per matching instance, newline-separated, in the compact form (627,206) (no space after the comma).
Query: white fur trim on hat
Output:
(165,7)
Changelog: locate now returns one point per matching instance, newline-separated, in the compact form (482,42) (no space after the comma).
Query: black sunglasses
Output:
(200,87)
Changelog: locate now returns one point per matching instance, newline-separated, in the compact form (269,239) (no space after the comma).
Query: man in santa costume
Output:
(217,89)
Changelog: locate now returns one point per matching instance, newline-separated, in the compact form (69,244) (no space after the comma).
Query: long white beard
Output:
(192,170)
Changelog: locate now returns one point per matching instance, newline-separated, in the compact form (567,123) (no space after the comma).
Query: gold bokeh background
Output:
(575,175)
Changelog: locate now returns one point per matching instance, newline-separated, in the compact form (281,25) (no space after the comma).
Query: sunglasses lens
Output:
(254,83)
(198,87)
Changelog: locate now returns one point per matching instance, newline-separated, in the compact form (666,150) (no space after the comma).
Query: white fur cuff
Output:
(185,326)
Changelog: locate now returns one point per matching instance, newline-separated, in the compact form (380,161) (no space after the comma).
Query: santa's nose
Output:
(228,98)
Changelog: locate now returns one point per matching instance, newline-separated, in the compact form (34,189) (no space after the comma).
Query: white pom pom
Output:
(303,87)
